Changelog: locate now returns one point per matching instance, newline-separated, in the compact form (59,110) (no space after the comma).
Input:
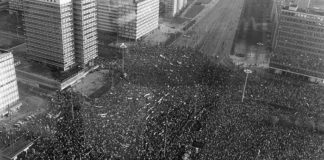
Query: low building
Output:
(9,96)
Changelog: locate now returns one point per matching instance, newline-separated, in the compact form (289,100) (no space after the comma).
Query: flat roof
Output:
(16,148)
(316,12)
(315,7)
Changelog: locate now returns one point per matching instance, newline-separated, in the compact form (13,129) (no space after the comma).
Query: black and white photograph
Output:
(161,79)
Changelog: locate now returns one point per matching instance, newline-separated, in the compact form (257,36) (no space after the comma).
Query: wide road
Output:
(214,33)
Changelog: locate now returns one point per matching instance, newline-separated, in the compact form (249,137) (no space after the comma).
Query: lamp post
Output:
(247,71)
(123,48)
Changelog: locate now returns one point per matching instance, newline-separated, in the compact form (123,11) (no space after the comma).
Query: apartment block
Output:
(179,5)
(298,43)
(107,15)
(173,7)
(128,18)
(61,33)
(49,32)
(9,96)
(85,31)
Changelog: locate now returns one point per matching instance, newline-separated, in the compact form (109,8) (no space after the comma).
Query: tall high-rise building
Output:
(179,5)
(9,96)
(107,15)
(49,32)
(85,31)
(129,18)
(298,42)
(173,7)
(61,33)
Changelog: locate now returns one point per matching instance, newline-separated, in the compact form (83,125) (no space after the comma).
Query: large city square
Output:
(183,80)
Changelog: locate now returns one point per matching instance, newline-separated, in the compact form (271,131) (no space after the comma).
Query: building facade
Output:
(128,18)
(171,8)
(174,7)
(179,5)
(9,96)
(85,31)
(49,32)
(16,6)
(107,15)
(298,44)
(61,33)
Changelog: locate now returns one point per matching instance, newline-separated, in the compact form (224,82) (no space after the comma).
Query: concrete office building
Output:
(85,31)
(179,5)
(49,32)
(298,42)
(128,18)
(9,96)
(107,15)
(173,7)
(61,33)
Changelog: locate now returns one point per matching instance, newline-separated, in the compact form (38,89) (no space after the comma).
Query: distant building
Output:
(173,7)
(298,43)
(179,5)
(107,15)
(61,33)
(128,18)
(9,96)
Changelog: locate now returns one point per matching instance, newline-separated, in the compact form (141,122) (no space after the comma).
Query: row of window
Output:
(302,26)
(299,42)
(301,37)
(296,20)
(303,15)
(306,49)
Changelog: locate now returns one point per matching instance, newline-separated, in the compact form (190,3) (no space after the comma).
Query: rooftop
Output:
(16,148)
(305,7)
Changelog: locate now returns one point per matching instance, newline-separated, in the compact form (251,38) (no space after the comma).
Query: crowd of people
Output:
(301,61)
(173,103)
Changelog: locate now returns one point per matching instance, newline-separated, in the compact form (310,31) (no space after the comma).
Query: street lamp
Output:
(247,71)
(123,50)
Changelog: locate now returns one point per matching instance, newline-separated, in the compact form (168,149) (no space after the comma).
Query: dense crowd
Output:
(301,61)
(174,104)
